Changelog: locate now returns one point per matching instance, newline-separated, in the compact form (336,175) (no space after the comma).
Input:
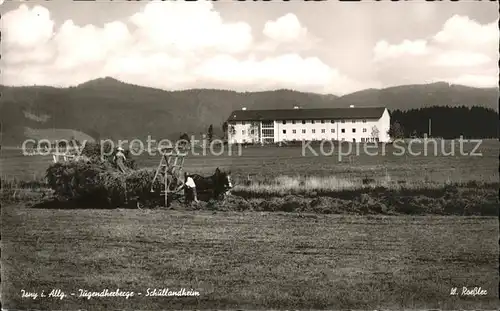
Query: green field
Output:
(247,260)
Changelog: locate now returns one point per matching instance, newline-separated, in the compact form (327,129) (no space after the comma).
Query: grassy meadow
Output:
(265,163)
(247,260)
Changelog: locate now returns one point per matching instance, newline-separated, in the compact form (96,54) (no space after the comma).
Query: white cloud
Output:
(461,59)
(188,27)
(284,71)
(383,50)
(78,46)
(179,45)
(27,28)
(169,45)
(39,54)
(26,34)
(286,28)
(462,31)
(463,50)
(286,34)
(288,70)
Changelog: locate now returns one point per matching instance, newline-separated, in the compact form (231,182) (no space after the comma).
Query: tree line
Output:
(446,122)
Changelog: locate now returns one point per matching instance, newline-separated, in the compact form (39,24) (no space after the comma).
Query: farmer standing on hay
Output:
(120,160)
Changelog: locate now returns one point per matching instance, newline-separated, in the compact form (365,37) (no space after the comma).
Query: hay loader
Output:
(170,172)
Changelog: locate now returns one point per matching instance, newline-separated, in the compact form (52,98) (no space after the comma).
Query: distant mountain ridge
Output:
(108,108)
(406,97)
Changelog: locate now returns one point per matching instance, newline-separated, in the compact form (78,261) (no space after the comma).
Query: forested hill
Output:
(108,108)
(416,96)
(112,109)
(448,122)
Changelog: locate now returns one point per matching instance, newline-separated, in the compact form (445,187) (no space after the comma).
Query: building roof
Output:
(307,114)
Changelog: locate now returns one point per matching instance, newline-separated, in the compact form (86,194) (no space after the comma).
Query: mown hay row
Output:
(392,202)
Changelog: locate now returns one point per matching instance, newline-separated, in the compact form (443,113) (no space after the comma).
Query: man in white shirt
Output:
(191,187)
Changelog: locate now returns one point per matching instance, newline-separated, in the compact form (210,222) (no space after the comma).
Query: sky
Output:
(322,47)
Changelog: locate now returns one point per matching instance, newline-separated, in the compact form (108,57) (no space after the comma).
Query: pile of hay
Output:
(99,183)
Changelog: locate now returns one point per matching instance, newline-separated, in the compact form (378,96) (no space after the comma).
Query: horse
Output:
(215,187)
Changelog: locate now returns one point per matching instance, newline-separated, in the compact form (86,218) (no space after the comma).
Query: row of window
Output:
(320,121)
(323,131)
(270,132)
(363,140)
(270,123)
(368,139)
(265,132)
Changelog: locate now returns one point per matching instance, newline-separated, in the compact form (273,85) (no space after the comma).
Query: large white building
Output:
(338,124)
